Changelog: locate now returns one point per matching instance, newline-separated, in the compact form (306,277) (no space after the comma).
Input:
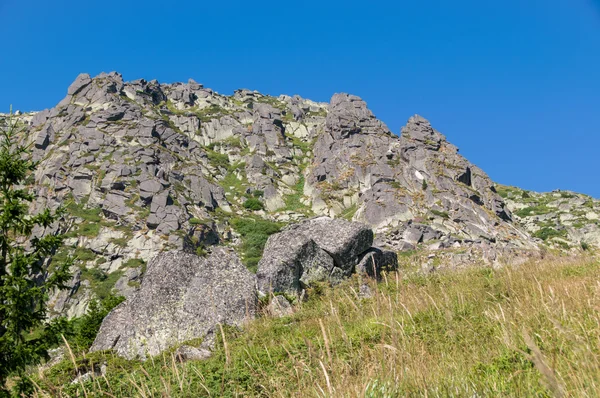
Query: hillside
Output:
(145,167)
(560,218)
(222,221)
(519,331)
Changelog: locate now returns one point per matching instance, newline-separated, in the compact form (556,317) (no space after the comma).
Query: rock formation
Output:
(560,219)
(145,167)
(318,250)
(182,297)
(186,297)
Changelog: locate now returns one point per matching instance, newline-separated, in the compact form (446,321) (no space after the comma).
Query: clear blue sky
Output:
(515,84)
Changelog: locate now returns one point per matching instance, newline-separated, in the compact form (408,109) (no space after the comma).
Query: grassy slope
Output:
(527,331)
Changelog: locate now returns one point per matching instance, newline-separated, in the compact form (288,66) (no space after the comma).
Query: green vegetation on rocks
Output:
(349,213)
(80,210)
(211,112)
(533,210)
(217,159)
(254,232)
(293,202)
(85,328)
(548,233)
(253,204)
(134,263)
(102,283)
(438,213)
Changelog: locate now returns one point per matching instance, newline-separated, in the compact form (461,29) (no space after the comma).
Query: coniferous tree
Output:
(26,274)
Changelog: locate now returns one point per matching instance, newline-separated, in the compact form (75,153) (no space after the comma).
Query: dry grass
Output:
(532,330)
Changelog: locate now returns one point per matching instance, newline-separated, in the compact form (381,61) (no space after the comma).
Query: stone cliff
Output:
(145,167)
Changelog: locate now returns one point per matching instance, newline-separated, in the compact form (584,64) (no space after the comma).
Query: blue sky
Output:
(514,84)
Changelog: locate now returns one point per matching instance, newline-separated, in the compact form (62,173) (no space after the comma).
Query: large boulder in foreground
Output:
(182,297)
(317,250)
(375,260)
(343,240)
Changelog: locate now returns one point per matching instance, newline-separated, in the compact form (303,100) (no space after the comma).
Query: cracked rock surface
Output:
(146,167)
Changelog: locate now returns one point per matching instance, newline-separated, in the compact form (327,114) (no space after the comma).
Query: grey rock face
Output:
(186,353)
(80,82)
(415,233)
(348,114)
(290,260)
(153,157)
(182,297)
(376,260)
(114,205)
(43,137)
(318,250)
(341,239)
(392,180)
(280,307)
(419,129)
(575,217)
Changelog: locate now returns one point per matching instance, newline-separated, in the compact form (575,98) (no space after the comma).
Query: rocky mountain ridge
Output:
(562,219)
(145,167)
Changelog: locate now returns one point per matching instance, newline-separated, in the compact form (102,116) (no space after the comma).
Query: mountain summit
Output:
(146,167)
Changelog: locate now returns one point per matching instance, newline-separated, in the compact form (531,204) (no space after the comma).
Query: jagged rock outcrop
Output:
(562,219)
(182,297)
(145,167)
(317,250)
(389,181)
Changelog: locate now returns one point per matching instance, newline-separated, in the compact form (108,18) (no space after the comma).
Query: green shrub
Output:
(547,233)
(93,275)
(254,232)
(201,251)
(219,160)
(26,278)
(84,254)
(86,328)
(442,214)
(134,263)
(79,210)
(533,210)
(253,204)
